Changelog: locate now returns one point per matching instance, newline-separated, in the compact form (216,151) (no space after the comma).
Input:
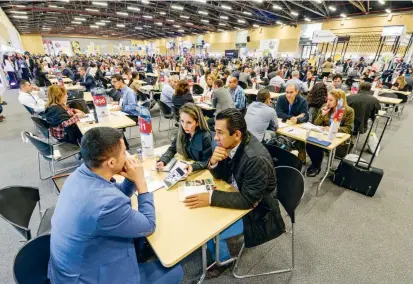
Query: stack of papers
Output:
(312,127)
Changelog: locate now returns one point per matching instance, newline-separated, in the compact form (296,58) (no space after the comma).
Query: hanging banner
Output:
(269,46)
(323,36)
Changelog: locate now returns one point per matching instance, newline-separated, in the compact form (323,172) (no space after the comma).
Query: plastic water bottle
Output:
(60,79)
(100,102)
(145,128)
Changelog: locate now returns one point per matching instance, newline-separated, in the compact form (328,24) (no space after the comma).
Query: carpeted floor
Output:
(341,237)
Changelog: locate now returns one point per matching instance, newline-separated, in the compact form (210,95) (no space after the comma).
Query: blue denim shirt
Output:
(129,101)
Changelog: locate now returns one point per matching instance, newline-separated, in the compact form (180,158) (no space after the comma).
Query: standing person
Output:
(221,98)
(261,116)
(100,247)
(315,99)
(182,94)
(237,94)
(245,77)
(62,120)
(242,161)
(30,63)
(193,141)
(9,68)
(22,66)
(168,90)
(301,86)
(324,118)
(327,66)
(128,102)
(277,81)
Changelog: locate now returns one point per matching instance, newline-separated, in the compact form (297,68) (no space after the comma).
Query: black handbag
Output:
(360,176)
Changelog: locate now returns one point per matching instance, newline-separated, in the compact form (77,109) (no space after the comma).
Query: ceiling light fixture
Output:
(54,6)
(294,13)
(241,21)
(20,6)
(20,17)
(100,24)
(120,25)
(19,12)
(226,7)
(177,26)
(381,2)
(258,1)
(190,24)
(277,7)
(247,13)
(332,8)
(388,11)
(307,19)
(162,13)
(91,10)
(122,13)
(318,1)
(184,17)
(145,2)
(100,3)
(138,28)
(223,17)
(79,19)
(176,7)
(170,20)
(158,23)
(133,8)
(105,21)
(222,24)
(255,26)
(181,31)
(237,28)
(148,17)
(279,22)
(77,23)
(202,12)
(343,15)
(204,21)
(94,26)
(221,30)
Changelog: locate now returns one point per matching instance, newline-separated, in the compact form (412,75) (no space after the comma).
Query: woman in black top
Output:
(182,94)
(316,98)
(42,81)
(193,141)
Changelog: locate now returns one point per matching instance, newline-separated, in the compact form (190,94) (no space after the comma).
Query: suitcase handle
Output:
(378,144)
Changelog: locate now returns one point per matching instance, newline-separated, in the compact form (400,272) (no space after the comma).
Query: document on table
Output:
(292,131)
(310,126)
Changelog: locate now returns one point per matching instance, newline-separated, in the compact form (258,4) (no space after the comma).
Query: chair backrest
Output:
(29,109)
(16,207)
(290,188)
(265,81)
(42,125)
(31,262)
(251,98)
(46,222)
(282,157)
(197,89)
(45,149)
(271,88)
(175,111)
(243,85)
(165,109)
(80,105)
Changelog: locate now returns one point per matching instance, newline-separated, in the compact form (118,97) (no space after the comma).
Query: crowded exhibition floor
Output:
(341,237)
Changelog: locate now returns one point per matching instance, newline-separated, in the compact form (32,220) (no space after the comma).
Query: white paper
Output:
(186,191)
(154,185)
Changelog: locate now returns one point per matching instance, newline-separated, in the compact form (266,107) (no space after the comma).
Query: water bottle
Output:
(145,128)
(335,123)
(60,79)
(100,103)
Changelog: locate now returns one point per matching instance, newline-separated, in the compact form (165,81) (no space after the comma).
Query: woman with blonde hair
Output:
(324,118)
(193,141)
(401,85)
(62,120)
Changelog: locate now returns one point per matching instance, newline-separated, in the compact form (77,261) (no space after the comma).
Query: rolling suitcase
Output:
(360,176)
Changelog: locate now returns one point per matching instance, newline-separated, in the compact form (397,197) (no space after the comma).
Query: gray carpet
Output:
(341,237)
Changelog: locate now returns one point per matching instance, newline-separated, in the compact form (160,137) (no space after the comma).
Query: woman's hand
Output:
(159,165)
(324,111)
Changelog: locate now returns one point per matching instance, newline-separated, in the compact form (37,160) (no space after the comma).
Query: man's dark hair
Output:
(22,82)
(338,76)
(263,95)
(98,144)
(365,86)
(219,83)
(118,77)
(235,120)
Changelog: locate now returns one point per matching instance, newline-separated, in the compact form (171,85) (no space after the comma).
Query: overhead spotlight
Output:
(223,17)
(241,21)
(19,12)
(388,11)
(94,27)
(133,8)
(381,2)
(247,13)
(343,15)
(184,17)
(91,10)
(204,21)
(147,16)
(170,20)
(307,19)
(122,13)
(277,7)
(226,7)
(176,7)
(279,22)
(104,4)
(332,8)
(20,17)
(294,13)
(120,25)
(203,12)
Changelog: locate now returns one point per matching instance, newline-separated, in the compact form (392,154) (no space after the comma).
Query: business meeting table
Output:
(180,230)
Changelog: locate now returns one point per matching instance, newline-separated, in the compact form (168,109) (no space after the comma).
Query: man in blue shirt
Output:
(237,93)
(128,103)
(94,225)
(168,90)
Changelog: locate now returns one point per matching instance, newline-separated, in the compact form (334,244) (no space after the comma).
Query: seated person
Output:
(86,80)
(316,98)
(29,97)
(209,87)
(93,242)
(168,90)
(67,72)
(323,118)
(292,106)
(193,141)
(337,84)
(401,85)
(261,116)
(221,98)
(245,77)
(242,161)
(302,88)
(134,83)
(128,102)
(62,120)
(237,93)
(309,80)
(277,81)
(182,94)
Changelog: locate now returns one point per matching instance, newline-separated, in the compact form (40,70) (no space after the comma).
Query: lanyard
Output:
(289,109)
(33,98)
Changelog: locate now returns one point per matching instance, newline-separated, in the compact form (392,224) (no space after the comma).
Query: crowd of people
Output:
(228,142)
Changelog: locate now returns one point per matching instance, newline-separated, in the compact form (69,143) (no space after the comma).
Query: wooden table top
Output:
(255,91)
(114,120)
(296,132)
(391,91)
(386,100)
(65,80)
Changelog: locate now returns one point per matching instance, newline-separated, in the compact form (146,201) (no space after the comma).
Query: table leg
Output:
(204,263)
(329,164)
(217,261)
(391,115)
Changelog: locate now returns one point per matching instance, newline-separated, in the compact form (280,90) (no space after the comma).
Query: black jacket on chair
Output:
(198,149)
(88,82)
(253,171)
(365,106)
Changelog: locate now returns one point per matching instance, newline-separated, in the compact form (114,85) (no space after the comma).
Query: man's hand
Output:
(35,88)
(218,155)
(115,108)
(189,170)
(197,200)
(159,165)
(293,119)
(134,172)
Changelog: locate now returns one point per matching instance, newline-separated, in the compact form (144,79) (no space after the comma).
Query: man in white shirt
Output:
(29,97)
(277,81)
(301,87)
(168,90)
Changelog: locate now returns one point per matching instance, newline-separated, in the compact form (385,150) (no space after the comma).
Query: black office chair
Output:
(290,191)
(251,98)
(197,89)
(79,104)
(166,112)
(265,82)
(17,205)
(271,88)
(42,126)
(31,262)
(29,109)
(281,157)
(243,85)
(46,223)
(48,151)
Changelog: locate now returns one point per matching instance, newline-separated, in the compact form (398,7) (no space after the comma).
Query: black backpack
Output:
(281,142)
